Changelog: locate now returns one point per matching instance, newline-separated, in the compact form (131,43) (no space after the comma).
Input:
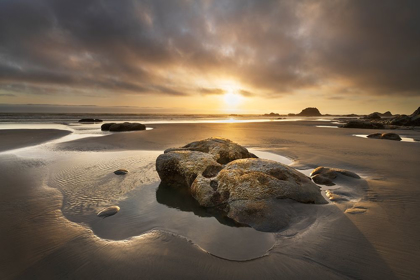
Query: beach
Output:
(53,186)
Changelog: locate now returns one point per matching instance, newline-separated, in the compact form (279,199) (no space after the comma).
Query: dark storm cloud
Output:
(158,47)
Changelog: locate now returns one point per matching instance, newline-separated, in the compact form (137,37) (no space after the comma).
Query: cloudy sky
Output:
(184,56)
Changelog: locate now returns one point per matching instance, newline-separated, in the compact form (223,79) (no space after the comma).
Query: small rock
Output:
(325,175)
(112,210)
(375,135)
(90,120)
(334,197)
(121,171)
(355,210)
(322,180)
(126,126)
(388,136)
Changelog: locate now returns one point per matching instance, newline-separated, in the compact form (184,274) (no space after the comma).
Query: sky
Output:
(204,56)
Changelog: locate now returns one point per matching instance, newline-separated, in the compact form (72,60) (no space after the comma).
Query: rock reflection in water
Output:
(181,199)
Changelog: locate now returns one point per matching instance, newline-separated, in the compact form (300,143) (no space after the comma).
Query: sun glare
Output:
(232,98)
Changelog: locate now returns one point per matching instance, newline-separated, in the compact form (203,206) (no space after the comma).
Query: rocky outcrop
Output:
(387,114)
(223,175)
(179,168)
(254,179)
(90,120)
(404,120)
(126,126)
(416,113)
(106,126)
(271,115)
(388,136)
(373,116)
(363,124)
(325,175)
(223,150)
(310,112)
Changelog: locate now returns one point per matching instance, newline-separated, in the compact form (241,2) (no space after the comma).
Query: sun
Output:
(232,99)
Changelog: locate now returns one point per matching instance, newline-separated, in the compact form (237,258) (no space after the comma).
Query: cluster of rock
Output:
(126,126)
(363,124)
(388,136)
(90,120)
(272,114)
(377,115)
(376,121)
(226,177)
(404,120)
(325,175)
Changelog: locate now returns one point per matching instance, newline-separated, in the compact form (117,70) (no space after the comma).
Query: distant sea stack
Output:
(310,112)
(271,115)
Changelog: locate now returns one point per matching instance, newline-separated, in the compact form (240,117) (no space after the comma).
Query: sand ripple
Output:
(88,182)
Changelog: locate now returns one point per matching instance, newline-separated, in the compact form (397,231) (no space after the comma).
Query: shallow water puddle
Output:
(88,184)
(271,156)
(327,126)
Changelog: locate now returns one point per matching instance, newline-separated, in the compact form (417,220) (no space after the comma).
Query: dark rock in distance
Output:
(404,120)
(375,135)
(310,112)
(106,126)
(401,120)
(126,126)
(373,116)
(416,113)
(271,115)
(388,136)
(363,124)
(90,120)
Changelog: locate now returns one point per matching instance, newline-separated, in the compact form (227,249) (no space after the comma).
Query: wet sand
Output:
(18,138)
(49,196)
